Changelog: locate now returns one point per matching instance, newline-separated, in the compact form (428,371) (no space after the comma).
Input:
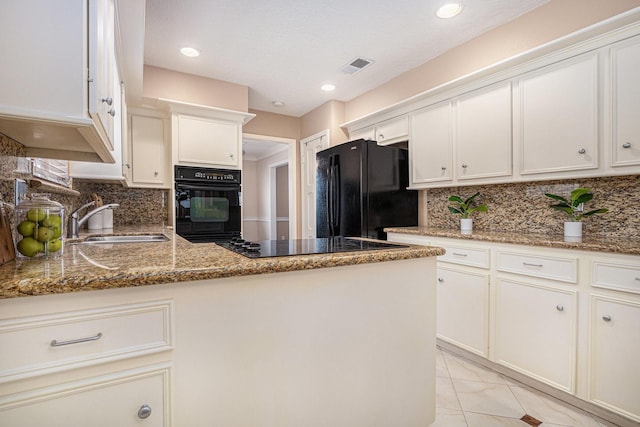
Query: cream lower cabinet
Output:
(99,367)
(129,398)
(463,309)
(536,330)
(614,380)
(568,319)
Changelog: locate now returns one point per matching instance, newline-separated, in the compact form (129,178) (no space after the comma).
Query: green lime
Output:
(29,246)
(44,234)
(36,214)
(26,228)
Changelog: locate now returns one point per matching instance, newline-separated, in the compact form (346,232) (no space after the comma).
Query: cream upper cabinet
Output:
(206,136)
(208,141)
(483,133)
(392,131)
(368,133)
(625,102)
(57,67)
(559,119)
(431,145)
(149,151)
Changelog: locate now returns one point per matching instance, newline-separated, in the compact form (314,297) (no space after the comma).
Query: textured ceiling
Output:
(285,50)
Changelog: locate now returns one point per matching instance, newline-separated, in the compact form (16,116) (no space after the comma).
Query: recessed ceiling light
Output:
(449,10)
(191,52)
(328,87)
(278,103)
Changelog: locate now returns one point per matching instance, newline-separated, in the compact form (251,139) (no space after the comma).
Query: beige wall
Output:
(271,124)
(162,83)
(544,24)
(329,115)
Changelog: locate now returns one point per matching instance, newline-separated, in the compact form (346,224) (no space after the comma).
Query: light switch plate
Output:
(19,191)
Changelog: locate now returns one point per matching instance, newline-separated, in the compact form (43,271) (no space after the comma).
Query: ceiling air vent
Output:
(356,65)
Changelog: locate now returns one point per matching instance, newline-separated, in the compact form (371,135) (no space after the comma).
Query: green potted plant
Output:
(573,206)
(463,208)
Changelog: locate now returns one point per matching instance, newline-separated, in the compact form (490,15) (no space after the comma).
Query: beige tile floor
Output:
(468,395)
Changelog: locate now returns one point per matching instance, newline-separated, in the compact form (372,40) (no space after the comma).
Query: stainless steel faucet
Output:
(75,223)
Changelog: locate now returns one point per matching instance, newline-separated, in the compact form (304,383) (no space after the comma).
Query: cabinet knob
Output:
(606,318)
(440,279)
(560,307)
(582,151)
(112,112)
(128,165)
(231,155)
(626,145)
(464,166)
(381,136)
(444,168)
(155,173)
(108,100)
(144,412)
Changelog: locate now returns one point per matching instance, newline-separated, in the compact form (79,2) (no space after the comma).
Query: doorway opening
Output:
(269,188)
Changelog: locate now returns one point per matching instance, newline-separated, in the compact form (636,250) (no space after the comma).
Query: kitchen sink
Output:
(135,238)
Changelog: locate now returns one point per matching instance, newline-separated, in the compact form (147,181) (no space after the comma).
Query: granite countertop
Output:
(105,266)
(619,245)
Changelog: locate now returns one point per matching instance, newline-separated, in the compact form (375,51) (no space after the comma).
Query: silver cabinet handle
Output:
(582,151)
(108,100)
(444,168)
(56,343)
(606,318)
(528,264)
(464,166)
(458,254)
(560,307)
(144,412)
(440,279)
(381,136)
(155,173)
(112,112)
(626,145)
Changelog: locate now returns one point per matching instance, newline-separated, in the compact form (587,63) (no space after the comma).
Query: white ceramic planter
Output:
(466,225)
(573,229)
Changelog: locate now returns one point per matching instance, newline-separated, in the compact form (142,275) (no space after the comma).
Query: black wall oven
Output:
(208,204)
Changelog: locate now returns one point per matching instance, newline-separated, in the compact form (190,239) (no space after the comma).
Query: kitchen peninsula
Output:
(193,334)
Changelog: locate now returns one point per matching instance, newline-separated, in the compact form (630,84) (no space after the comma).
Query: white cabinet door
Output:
(392,131)
(463,309)
(364,133)
(559,117)
(149,157)
(121,399)
(483,133)
(208,141)
(536,332)
(430,144)
(625,57)
(614,353)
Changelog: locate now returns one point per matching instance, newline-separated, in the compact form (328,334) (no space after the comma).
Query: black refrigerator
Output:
(361,188)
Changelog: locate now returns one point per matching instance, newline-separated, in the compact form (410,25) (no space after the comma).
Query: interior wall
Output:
(249,200)
(174,85)
(553,20)
(282,202)
(329,115)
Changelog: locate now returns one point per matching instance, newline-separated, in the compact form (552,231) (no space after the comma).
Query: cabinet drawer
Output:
(57,342)
(465,256)
(622,277)
(557,268)
(127,398)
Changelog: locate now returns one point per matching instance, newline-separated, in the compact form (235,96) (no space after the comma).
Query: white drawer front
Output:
(43,344)
(128,398)
(465,256)
(564,269)
(616,276)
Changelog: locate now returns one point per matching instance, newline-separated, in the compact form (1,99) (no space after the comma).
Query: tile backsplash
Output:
(137,205)
(523,207)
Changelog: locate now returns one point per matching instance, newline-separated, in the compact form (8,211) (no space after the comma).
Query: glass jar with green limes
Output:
(39,227)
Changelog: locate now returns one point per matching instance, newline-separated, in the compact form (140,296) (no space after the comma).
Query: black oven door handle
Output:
(207,187)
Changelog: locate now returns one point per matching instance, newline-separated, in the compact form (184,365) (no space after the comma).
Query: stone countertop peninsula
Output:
(85,267)
(630,246)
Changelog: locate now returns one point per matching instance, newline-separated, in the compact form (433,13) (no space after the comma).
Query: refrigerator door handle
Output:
(336,197)
(330,196)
